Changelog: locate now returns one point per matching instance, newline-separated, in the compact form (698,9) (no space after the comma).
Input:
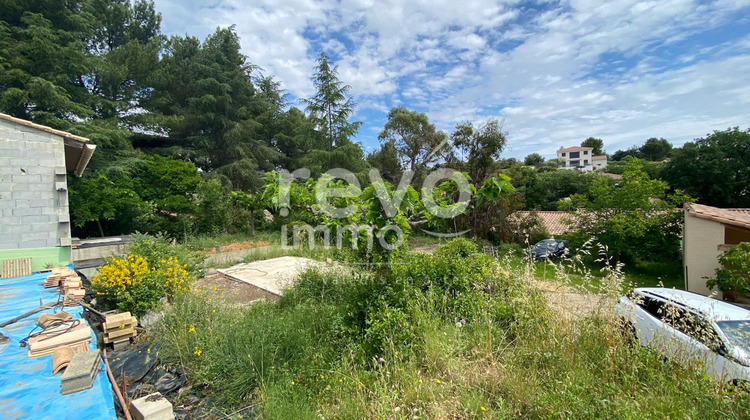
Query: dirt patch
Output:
(426,249)
(568,302)
(238,246)
(228,291)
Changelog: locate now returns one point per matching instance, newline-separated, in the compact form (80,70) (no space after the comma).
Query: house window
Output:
(563,154)
(585,162)
(575,155)
(585,152)
(574,162)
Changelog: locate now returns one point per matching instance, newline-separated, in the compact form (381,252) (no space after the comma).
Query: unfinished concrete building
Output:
(34,163)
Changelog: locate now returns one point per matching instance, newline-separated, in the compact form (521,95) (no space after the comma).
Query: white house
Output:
(581,158)
(707,233)
(599,162)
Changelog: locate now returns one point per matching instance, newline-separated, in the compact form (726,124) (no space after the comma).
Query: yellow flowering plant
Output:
(132,284)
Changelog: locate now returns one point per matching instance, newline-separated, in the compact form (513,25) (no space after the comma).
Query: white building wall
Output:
(701,240)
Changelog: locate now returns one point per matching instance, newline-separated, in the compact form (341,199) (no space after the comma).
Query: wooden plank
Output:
(131,324)
(107,340)
(19,267)
(49,340)
(119,333)
(118,319)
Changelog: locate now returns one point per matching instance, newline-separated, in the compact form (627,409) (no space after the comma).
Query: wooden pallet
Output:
(20,267)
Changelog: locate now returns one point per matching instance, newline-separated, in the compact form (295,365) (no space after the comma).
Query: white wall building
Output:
(581,158)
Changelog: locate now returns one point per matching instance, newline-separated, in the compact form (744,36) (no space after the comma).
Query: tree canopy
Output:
(714,169)
(597,144)
(414,137)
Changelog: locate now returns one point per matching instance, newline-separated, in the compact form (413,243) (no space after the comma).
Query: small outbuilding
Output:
(34,163)
(707,233)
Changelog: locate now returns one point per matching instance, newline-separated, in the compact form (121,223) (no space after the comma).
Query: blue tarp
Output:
(27,387)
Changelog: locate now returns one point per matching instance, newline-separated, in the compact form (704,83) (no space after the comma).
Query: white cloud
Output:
(560,71)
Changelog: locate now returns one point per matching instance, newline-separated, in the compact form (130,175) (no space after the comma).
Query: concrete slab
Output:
(80,373)
(273,275)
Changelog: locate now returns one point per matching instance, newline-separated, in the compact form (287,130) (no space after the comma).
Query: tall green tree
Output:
(478,147)
(385,160)
(42,54)
(656,149)
(415,138)
(715,169)
(205,102)
(533,159)
(597,144)
(330,107)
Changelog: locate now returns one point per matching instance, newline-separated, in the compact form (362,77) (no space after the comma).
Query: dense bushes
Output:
(329,314)
(154,269)
(449,335)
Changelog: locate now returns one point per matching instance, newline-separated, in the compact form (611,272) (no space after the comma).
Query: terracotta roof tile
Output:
(574,148)
(556,222)
(599,157)
(735,217)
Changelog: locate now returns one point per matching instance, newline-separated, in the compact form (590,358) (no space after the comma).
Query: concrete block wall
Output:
(32,164)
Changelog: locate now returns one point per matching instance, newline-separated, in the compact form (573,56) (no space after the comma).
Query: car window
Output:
(692,325)
(737,332)
(652,306)
(680,319)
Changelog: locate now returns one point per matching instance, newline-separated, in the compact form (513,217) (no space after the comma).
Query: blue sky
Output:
(556,72)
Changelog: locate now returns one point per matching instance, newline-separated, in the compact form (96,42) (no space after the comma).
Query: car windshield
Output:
(546,244)
(738,333)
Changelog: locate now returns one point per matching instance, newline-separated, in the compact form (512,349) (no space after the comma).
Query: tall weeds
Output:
(450,335)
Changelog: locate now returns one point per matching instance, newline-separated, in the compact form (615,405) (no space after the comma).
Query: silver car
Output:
(692,329)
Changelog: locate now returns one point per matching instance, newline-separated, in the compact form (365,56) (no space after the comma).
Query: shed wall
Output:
(33,189)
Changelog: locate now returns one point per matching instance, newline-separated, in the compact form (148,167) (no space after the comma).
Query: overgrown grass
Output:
(450,335)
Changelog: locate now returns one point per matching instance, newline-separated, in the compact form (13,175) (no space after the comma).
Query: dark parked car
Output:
(548,249)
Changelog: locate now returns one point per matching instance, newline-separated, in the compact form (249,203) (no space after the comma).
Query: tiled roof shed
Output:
(734,217)
(556,222)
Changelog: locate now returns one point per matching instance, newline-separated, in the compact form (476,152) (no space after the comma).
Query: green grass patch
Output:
(450,335)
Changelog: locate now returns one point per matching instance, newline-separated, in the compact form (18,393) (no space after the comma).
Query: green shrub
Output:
(132,284)
(155,248)
(734,274)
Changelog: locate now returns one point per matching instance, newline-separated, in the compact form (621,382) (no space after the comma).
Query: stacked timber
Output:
(119,329)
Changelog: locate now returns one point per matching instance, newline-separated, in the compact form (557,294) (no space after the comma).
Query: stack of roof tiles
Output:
(69,282)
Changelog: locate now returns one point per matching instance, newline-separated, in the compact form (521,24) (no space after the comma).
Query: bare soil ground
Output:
(568,302)
(426,249)
(238,246)
(229,291)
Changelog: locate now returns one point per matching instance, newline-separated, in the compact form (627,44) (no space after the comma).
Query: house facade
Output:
(34,163)
(580,158)
(707,233)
